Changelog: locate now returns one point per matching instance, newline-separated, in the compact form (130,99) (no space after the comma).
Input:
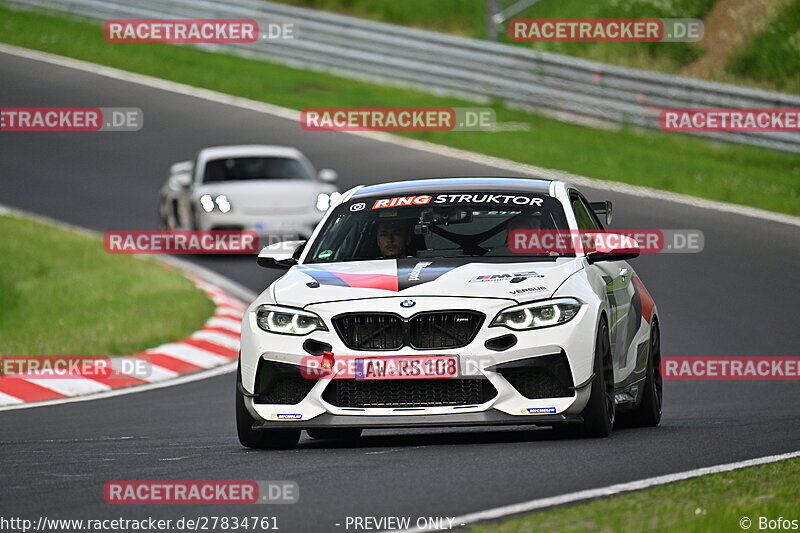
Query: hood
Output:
(454,277)
(265,196)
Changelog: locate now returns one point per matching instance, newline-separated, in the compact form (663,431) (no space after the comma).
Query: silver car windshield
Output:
(254,168)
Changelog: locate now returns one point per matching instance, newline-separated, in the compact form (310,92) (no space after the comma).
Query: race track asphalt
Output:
(737,297)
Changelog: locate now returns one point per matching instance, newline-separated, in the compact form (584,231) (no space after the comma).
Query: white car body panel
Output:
(600,287)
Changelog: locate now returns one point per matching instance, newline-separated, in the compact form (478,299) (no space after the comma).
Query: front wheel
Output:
(163,217)
(599,413)
(262,438)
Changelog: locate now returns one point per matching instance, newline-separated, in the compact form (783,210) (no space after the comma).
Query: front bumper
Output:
(484,418)
(574,341)
(286,225)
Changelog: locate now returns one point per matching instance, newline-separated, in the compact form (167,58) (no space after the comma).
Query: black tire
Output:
(274,439)
(193,221)
(163,223)
(343,434)
(648,413)
(598,415)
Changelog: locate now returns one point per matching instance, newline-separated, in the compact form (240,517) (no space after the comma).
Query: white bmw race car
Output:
(272,190)
(409,307)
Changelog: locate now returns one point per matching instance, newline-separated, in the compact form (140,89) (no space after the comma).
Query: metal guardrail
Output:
(468,67)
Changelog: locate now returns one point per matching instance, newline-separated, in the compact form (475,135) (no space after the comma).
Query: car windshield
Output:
(428,226)
(254,168)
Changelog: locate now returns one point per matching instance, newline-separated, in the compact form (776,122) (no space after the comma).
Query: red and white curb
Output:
(215,344)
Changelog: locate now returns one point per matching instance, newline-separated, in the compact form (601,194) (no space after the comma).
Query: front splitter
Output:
(484,418)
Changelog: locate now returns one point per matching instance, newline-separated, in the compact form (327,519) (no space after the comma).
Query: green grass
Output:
(773,57)
(665,57)
(710,503)
(468,18)
(62,294)
(733,173)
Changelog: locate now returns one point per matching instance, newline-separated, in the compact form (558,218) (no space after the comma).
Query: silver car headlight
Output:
(538,314)
(220,202)
(287,320)
(325,200)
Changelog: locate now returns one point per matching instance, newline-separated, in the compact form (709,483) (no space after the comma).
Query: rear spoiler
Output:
(603,208)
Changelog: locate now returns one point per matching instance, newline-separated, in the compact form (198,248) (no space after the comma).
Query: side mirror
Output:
(327,175)
(181,167)
(603,208)
(611,246)
(180,181)
(595,257)
(281,255)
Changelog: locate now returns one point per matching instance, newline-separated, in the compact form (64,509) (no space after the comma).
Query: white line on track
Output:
(444,151)
(235,326)
(5,399)
(189,354)
(602,492)
(159,373)
(220,339)
(70,387)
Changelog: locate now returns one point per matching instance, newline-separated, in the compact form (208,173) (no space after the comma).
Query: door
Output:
(617,276)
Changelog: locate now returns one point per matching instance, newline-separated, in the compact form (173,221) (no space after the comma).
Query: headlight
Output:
(325,200)
(538,315)
(221,201)
(288,321)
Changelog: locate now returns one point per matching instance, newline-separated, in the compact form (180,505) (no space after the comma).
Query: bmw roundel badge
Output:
(408,303)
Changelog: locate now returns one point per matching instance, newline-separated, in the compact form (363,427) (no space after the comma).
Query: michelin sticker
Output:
(538,411)
(286,416)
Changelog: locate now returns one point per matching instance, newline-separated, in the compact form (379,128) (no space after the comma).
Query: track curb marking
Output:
(16,390)
(424,146)
(209,351)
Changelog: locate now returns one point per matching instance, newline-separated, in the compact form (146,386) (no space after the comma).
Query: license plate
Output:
(407,367)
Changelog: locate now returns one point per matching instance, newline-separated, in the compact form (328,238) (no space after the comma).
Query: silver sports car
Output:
(272,190)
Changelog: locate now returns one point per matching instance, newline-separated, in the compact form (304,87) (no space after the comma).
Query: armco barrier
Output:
(442,63)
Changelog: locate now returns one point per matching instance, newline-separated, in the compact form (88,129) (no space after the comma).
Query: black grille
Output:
(423,331)
(408,392)
(281,383)
(540,377)
(374,331)
(445,329)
